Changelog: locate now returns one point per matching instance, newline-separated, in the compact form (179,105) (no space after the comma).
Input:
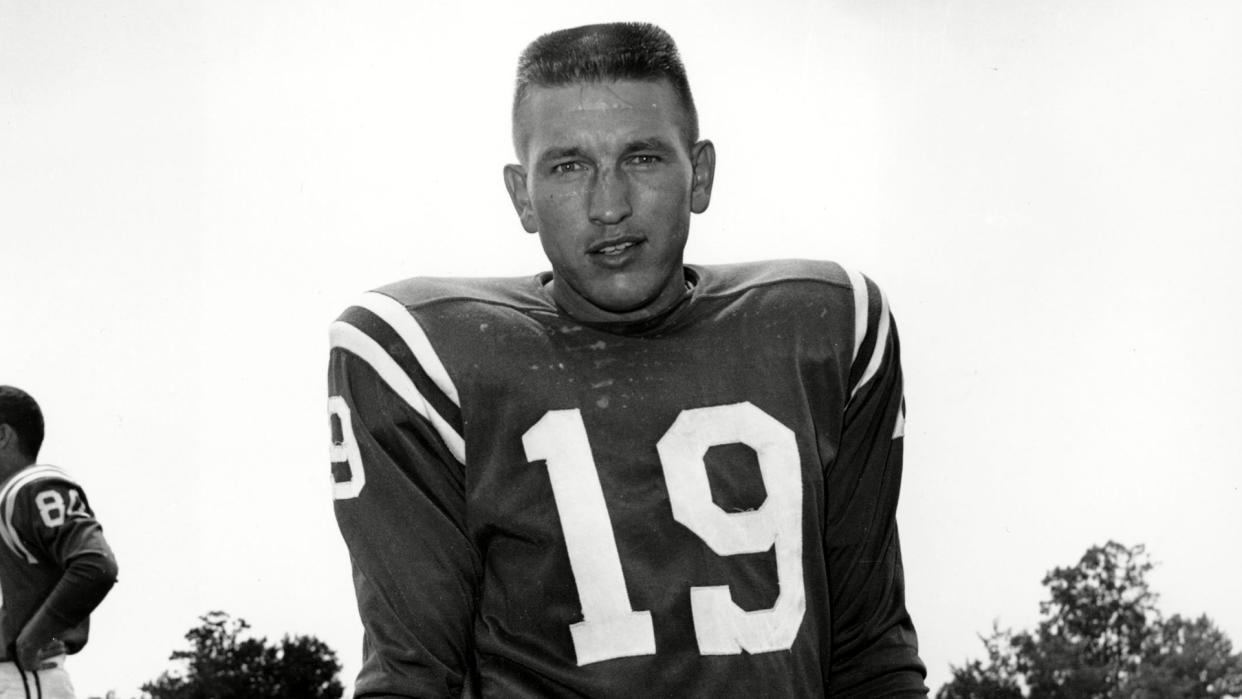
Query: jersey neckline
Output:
(646,326)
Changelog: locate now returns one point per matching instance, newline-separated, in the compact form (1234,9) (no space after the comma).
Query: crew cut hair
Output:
(19,411)
(604,52)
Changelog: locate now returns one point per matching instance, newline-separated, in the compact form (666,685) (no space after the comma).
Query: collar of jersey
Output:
(664,321)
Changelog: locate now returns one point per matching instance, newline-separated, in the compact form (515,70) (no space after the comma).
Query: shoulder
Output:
(410,339)
(792,279)
(837,298)
(40,497)
(417,314)
(422,300)
(791,275)
(22,481)
(427,292)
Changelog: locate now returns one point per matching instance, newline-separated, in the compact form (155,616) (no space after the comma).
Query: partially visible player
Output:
(55,566)
(631,476)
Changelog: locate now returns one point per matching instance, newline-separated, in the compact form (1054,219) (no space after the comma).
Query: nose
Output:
(609,198)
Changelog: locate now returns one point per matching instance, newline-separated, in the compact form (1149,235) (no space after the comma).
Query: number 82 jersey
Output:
(698,505)
(46,524)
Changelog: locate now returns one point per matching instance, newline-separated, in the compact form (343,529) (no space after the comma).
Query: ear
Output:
(515,182)
(703,158)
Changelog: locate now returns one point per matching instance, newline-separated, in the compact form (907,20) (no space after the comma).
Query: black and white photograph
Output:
(670,349)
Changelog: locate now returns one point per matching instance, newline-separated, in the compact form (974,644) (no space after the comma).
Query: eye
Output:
(567,167)
(645,159)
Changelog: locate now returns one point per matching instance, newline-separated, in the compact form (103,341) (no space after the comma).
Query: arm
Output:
(400,505)
(54,516)
(874,647)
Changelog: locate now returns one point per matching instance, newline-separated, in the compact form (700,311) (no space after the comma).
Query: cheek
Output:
(561,197)
(664,195)
(551,190)
(558,207)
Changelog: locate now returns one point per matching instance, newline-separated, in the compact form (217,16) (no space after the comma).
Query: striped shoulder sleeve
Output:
(382,332)
(875,340)
(17,487)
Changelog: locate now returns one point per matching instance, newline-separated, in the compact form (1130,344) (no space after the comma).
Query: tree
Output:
(997,679)
(1187,658)
(1101,636)
(223,665)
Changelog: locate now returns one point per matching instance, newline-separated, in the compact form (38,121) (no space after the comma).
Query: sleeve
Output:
(874,649)
(398,482)
(52,517)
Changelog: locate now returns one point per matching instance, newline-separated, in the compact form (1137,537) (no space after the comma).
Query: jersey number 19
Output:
(611,628)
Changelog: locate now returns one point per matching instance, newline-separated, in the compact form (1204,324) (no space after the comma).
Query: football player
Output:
(55,566)
(628,476)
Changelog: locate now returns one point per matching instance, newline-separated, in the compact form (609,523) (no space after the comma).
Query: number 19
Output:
(611,628)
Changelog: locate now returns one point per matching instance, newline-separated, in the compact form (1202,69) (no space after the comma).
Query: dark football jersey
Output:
(45,521)
(699,505)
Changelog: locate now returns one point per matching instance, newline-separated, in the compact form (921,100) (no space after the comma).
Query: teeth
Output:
(615,249)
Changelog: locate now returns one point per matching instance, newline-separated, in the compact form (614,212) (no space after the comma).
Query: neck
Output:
(581,308)
(11,464)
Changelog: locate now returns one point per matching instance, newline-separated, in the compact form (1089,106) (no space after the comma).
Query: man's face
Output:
(609,184)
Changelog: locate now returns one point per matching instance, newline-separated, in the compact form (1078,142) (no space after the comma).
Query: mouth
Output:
(615,247)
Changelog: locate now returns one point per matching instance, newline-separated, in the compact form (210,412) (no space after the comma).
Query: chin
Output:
(621,304)
(628,301)
(610,297)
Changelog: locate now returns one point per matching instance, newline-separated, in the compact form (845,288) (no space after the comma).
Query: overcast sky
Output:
(1050,193)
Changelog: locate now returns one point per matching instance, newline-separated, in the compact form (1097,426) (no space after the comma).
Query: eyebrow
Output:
(656,144)
(560,154)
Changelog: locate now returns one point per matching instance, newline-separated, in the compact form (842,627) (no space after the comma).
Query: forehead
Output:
(597,115)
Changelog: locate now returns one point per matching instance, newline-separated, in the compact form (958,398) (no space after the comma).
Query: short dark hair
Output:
(604,52)
(19,411)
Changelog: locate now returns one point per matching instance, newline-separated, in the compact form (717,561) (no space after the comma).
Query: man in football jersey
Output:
(55,566)
(628,476)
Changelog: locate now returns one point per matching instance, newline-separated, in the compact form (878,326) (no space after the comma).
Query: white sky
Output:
(1050,193)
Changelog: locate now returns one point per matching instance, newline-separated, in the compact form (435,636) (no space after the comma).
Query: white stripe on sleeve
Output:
(396,315)
(859,284)
(351,339)
(877,351)
(8,496)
